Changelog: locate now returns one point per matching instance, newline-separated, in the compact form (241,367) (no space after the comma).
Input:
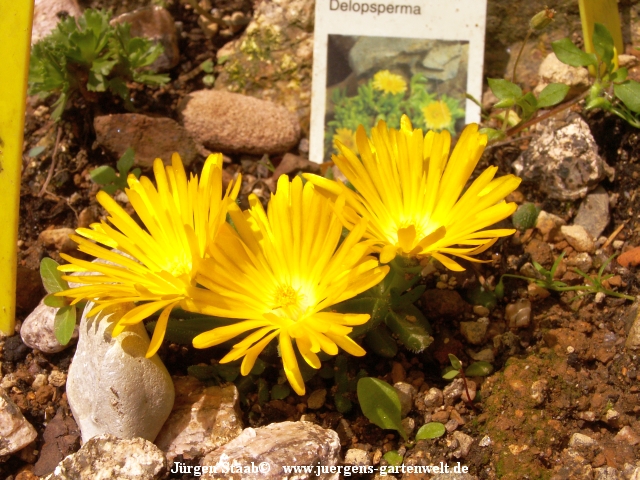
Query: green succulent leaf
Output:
(380,404)
(103,175)
(430,431)
(479,369)
(64,324)
(56,302)
(125,162)
(455,362)
(603,43)
(629,93)
(280,391)
(568,53)
(552,94)
(450,373)
(504,89)
(51,276)
(393,458)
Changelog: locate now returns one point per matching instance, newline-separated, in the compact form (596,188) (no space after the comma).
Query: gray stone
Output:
(112,388)
(443,61)
(474,332)
(433,398)
(149,137)
(405,392)
(370,54)
(581,440)
(593,213)
(564,161)
(15,431)
(453,391)
(155,23)
(464,444)
(275,446)
(272,59)
(203,418)
(233,123)
(606,473)
(578,238)
(107,456)
(357,456)
(627,435)
(46,16)
(58,238)
(37,330)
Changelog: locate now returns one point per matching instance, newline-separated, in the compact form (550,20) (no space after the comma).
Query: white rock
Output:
(112,388)
(203,418)
(357,456)
(464,444)
(106,457)
(578,238)
(274,446)
(405,392)
(580,440)
(553,70)
(37,330)
(15,431)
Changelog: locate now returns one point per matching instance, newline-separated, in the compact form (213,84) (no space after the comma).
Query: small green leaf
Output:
(619,75)
(504,89)
(430,431)
(599,102)
(258,367)
(126,162)
(552,94)
(450,373)
(203,372)
(207,66)
(603,43)
(103,175)
(342,403)
(51,276)
(629,93)
(455,362)
(380,404)
(64,324)
(479,369)
(209,80)
(380,341)
(568,53)
(393,458)
(493,135)
(280,391)
(56,302)
(35,151)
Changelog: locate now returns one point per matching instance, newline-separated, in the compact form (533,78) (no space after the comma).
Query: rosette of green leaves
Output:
(86,56)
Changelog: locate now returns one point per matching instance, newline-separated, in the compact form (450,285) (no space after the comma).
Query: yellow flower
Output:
(410,193)
(388,82)
(157,264)
(280,271)
(345,136)
(437,115)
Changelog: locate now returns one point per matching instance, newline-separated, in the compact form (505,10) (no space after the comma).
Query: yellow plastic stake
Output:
(15,32)
(604,12)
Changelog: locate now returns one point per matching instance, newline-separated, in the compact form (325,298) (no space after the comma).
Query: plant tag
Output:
(378,59)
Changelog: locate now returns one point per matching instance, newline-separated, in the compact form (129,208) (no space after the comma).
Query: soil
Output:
(562,374)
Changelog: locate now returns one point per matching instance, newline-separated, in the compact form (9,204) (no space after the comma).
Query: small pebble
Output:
(57,378)
(481,310)
(316,399)
(39,381)
(485,441)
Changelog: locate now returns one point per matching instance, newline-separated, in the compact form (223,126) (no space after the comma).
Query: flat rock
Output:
(234,123)
(203,418)
(106,456)
(150,138)
(473,332)
(46,15)
(275,446)
(37,330)
(593,213)
(563,161)
(273,57)
(15,431)
(630,257)
(578,238)
(155,23)
(111,387)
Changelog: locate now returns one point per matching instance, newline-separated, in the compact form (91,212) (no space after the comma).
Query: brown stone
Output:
(149,137)
(630,257)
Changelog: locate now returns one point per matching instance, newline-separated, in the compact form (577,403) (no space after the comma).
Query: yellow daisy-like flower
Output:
(410,192)
(388,82)
(437,115)
(158,263)
(280,271)
(346,137)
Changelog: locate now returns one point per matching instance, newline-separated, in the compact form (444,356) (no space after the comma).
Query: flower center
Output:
(437,115)
(285,296)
